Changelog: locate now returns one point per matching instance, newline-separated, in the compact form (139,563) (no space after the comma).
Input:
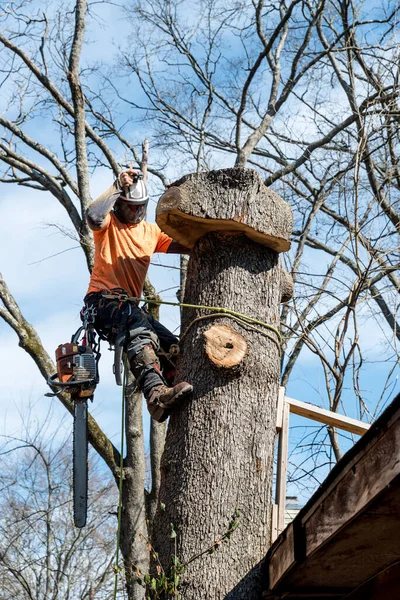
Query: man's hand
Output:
(126,178)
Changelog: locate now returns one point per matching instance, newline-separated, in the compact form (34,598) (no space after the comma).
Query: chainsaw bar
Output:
(80,462)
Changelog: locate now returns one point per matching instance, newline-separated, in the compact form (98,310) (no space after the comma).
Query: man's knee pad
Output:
(139,338)
(146,368)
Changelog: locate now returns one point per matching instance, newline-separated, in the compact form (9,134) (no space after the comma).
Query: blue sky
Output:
(48,276)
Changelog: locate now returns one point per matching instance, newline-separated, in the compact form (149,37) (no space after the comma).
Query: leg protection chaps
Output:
(145,367)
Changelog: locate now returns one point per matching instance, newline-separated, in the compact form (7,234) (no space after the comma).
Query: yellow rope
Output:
(216,309)
(240,321)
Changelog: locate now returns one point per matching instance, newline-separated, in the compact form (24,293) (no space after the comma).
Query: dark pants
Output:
(113,317)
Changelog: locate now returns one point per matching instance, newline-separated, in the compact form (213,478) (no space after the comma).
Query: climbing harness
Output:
(127,327)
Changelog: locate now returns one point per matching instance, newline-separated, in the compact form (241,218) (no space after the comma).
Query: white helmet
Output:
(131,205)
(137,192)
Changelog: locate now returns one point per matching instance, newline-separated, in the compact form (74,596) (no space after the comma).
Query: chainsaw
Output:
(77,368)
(77,374)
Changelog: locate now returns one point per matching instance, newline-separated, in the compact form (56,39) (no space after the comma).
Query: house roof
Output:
(347,535)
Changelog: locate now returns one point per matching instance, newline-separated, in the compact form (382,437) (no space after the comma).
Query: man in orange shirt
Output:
(124,244)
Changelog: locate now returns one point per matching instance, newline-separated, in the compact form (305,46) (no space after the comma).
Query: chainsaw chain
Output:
(80,462)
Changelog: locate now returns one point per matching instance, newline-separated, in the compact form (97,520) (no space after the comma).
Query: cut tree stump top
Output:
(187,210)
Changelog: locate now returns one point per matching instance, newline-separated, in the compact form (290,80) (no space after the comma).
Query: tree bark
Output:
(219,449)
(133,518)
(78,100)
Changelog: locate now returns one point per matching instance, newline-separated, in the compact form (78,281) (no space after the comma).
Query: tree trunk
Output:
(133,518)
(219,449)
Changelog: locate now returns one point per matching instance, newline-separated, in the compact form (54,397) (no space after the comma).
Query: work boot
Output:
(163,400)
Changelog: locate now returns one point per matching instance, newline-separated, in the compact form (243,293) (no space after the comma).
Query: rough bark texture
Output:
(193,206)
(157,430)
(157,442)
(219,448)
(78,100)
(287,286)
(133,517)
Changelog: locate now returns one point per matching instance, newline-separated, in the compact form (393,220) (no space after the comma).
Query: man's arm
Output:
(97,213)
(177,248)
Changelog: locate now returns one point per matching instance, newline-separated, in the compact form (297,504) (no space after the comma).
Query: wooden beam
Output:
(279,409)
(385,584)
(328,417)
(274,519)
(281,473)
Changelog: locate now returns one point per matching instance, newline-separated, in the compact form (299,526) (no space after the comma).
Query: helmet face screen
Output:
(129,213)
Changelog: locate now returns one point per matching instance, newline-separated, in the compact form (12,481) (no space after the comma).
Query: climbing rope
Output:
(226,312)
(121,477)
(238,320)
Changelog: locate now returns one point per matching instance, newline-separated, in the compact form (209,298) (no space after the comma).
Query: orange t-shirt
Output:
(123,253)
